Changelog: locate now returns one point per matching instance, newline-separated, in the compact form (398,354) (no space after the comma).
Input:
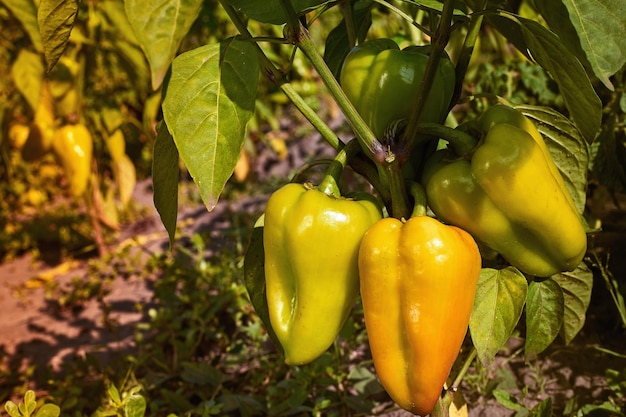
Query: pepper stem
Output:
(419,199)
(329,184)
(461,142)
(399,203)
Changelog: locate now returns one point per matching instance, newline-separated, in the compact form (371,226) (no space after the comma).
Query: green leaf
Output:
(30,402)
(12,409)
(254,278)
(576,287)
(500,298)
(543,409)
(48,410)
(25,11)
(567,147)
(580,98)
(209,100)
(56,20)
(592,30)
(544,315)
(160,26)
(609,165)
(507,399)
(201,373)
(134,406)
(271,11)
(165,179)
(27,72)
(337,42)
(114,395)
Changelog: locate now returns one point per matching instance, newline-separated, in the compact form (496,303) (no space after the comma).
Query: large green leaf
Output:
(160,26)
(576,286)
(544,315)
(165,179)
(580,98)
(56,20)
(209,100)
(271,11)
(500,298)
(592,29)
(567,147)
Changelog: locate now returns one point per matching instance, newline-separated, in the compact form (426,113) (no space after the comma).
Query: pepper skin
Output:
(382,81)
(311,243)
(511,198)
(73,148)
(418,282)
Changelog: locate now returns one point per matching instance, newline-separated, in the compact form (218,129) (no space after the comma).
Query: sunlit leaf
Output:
(160,26)
(576,286)
(209,100)
(49,410)
(56,20)
(134,406)
(500,298)
(544,315)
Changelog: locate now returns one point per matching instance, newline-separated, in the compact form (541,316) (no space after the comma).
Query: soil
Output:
(34,331)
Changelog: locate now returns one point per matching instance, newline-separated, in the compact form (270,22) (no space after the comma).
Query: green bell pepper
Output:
(510,196)
(382,82)
(311,242)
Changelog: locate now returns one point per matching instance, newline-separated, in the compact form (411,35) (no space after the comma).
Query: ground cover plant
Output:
(436,225)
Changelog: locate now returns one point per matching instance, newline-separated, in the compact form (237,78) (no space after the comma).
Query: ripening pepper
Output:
(73,148)
(42,129)
(382,82)
(311,242)
(510,196)
(418,282)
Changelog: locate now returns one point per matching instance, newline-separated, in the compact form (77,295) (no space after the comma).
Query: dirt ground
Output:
(33,330)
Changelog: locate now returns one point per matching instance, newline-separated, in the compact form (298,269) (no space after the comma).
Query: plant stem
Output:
(277,77)
(468,362)
(462,143)
(399,200)
(333,174)
(419,199)
(300,37)
(439,42)
(467,51)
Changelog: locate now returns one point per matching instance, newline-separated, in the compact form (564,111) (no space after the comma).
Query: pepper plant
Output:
(520,178)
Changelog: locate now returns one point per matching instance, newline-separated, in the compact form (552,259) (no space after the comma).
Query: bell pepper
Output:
(73,148)
(510,196)
(382,81)
(311,241)
(43,127)
(418,281)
